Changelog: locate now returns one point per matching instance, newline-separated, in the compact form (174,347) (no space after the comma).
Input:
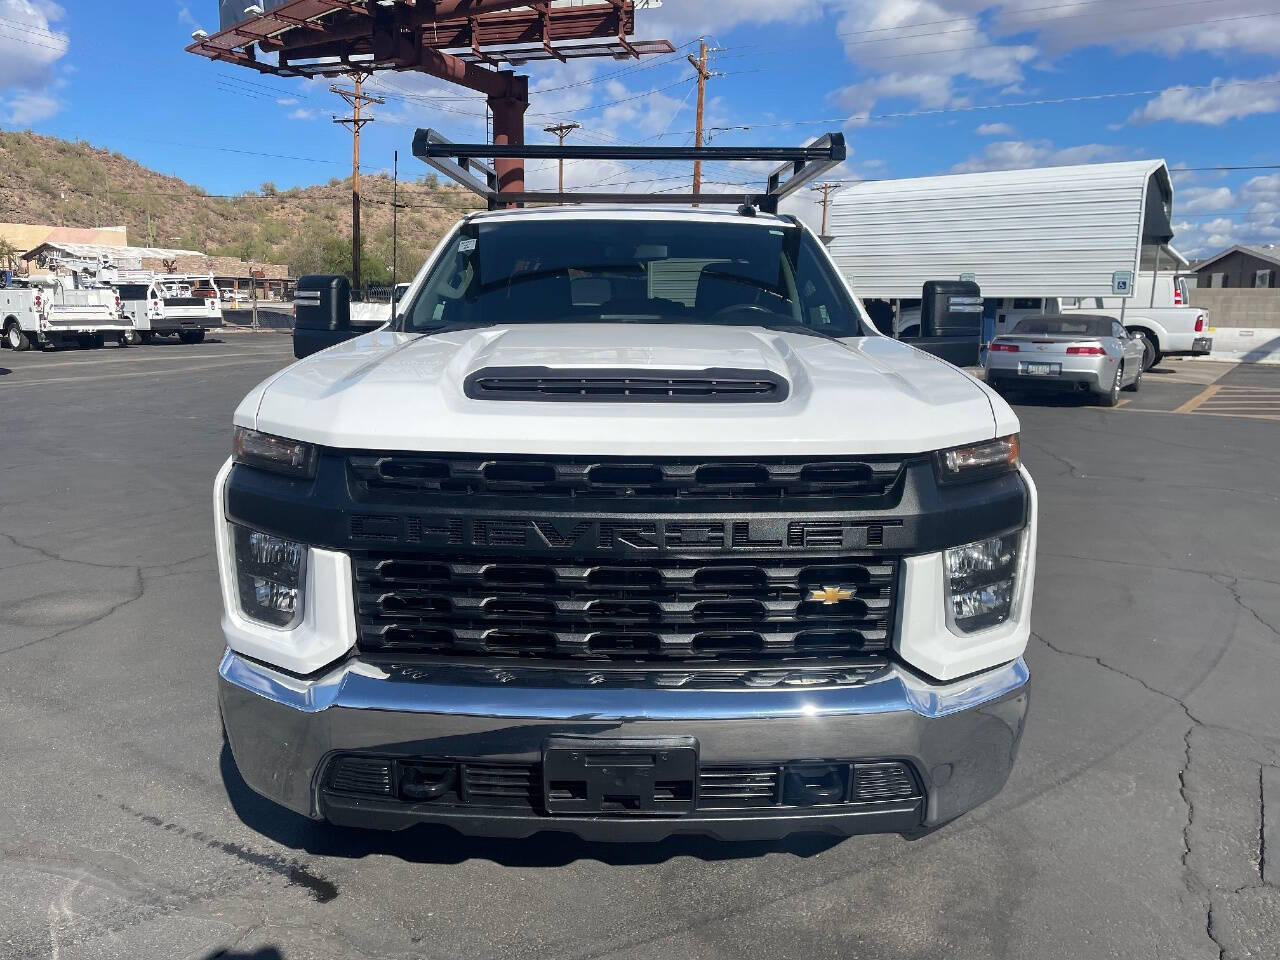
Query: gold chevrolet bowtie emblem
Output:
(829,595)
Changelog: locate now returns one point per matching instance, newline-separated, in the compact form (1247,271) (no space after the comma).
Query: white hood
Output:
(398,391)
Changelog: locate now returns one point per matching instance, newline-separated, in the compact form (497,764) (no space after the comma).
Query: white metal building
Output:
(1048,232)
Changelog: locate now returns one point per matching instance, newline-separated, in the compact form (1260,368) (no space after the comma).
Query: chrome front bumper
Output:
(961,738)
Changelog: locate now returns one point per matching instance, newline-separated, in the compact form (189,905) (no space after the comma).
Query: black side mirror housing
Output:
(951,321)
(322,314)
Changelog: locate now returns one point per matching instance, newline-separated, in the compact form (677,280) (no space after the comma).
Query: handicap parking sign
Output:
(1122,283)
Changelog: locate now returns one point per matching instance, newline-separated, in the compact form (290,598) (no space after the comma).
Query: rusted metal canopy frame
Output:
(411,35)
(800,166)
(369,37)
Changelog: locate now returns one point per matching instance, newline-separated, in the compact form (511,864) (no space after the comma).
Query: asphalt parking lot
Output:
(1142,820)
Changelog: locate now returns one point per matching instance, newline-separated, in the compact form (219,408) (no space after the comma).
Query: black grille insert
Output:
(713,385)
(674,609)
(864,481)
(453,783)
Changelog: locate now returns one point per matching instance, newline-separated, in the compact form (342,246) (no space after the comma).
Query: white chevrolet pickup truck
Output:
(628,524)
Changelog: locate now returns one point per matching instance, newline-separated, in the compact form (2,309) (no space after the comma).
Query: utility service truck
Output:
(189,306)
(60,311)
(627,523)
(162,305)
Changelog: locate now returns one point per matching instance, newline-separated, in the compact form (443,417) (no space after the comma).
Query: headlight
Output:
(277,454)
(270,576)
(982,581)
(978,461)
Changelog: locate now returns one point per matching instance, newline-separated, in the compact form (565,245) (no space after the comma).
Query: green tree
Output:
(8,255)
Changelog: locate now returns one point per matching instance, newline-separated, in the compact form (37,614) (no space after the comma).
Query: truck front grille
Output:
(614,479)
(673,609)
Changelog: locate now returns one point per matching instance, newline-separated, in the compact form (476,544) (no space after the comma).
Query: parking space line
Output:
(11,384)
(102,361)
(1274,418)
(1200,398)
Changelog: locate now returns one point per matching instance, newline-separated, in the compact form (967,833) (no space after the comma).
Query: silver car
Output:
(1078,352)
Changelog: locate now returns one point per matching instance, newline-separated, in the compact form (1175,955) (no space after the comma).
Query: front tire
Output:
(1112,397)
(15,338)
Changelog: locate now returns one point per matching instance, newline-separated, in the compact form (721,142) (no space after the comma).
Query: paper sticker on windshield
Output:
(466,246)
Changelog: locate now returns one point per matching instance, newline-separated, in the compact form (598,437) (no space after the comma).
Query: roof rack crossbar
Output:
(799,166)
(457,168)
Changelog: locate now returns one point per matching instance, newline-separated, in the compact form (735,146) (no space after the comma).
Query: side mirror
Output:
(322,314)
(951,321)
(398,292)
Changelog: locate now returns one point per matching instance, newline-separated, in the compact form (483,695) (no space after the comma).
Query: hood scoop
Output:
(613,385)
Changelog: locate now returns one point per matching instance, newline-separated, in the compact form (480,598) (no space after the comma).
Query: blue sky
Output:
(919,87)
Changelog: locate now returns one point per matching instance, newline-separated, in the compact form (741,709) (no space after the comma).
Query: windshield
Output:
(1066,326)
(633,271)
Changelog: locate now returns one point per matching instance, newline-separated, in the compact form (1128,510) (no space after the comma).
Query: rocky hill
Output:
(48,180)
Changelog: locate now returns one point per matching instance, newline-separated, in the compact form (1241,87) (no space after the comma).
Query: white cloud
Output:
(1225,100)
(1254,216)
(1021,154)
(286,101)
(1196,200)
(24,108)
(185,16)
(302,113)
(920,50)
(996,130)
(1170,28)
(29,46)
(30,49)
(682,20)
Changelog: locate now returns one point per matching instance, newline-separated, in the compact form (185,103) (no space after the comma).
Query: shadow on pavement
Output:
(266,953)
(440,845)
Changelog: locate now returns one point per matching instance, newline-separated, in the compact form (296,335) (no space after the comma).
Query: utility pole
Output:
(826,189)
(700,64)
(357,99)
(561,130)
(395,220)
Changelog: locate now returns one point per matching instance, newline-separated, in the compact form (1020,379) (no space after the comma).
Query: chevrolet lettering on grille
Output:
(622,536)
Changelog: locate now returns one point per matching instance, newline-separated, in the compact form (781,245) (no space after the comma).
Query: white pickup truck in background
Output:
(1157,312)
(48,315)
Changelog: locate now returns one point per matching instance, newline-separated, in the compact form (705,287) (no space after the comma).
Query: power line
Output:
(975,108)
(21,38)
(1006,46)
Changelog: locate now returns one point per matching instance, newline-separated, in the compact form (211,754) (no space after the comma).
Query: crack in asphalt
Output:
(1195,885)
(58,558)
(1262,824)
(1232,586)
(139,590)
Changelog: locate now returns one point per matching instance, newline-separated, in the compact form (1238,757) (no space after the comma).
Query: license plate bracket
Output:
(620,777)
(1034,369)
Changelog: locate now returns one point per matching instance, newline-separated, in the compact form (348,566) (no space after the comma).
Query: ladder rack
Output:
(461,163)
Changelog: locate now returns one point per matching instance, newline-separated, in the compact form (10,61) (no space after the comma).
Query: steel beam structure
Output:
(464,42)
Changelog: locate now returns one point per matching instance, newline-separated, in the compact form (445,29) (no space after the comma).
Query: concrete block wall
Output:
(1239,307)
